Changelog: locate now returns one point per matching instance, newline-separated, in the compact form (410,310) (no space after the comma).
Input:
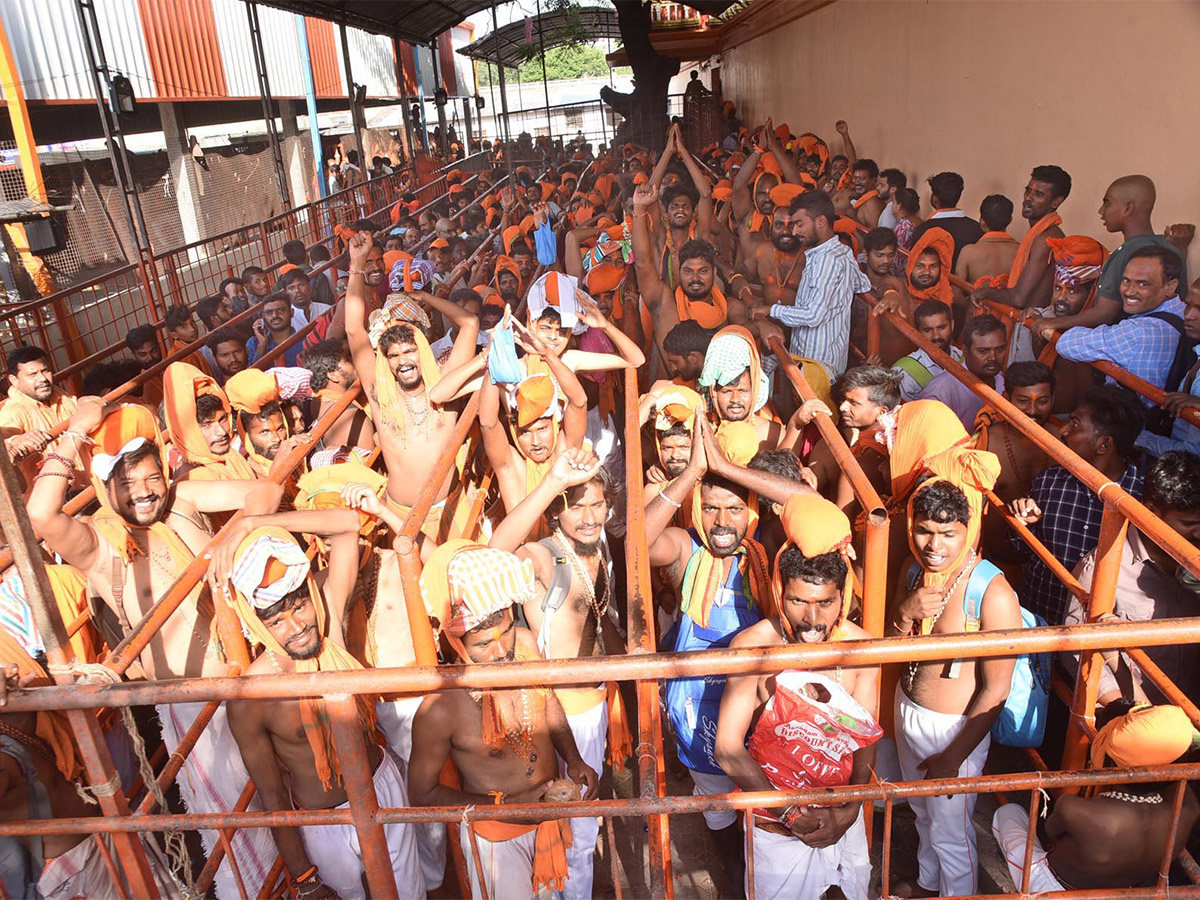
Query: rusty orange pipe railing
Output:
(640,640)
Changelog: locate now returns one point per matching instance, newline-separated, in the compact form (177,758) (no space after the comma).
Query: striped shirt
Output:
(1141,345)
(820,316)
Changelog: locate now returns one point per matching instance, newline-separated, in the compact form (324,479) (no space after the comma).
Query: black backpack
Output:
(1159,420)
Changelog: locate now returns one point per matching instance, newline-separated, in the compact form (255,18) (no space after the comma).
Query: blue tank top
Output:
(693,703)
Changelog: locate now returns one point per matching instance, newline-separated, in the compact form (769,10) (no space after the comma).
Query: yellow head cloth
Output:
(250,391)
(183,385)
(814,526)
(1144,736)
(393,411)
(267,566)
(321,488)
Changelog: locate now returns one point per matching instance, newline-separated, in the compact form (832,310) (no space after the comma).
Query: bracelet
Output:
(66,475)
(69,463)
(790,815)
(674,503)
(497,797)
(309,873)
(900,628)
(361,272)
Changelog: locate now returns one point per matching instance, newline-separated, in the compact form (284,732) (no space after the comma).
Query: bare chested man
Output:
(993,253)
(1114,839)
(865,202)
(569,613)
(687,210)
(284,742)
(512,755)
(945,709)
(779,263)
(412,432)
(146,532)
(814,577)
(332,375)
(1031,276)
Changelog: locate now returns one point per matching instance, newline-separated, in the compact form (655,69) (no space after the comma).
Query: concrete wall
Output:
(991,88)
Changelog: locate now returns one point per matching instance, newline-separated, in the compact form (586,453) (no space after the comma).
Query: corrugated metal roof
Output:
(48,47)
(418,21)
(373,62)
(557,28)
(326,57)
(181,42)
(281,46)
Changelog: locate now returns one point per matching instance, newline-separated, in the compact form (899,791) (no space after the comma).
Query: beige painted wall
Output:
(991,88)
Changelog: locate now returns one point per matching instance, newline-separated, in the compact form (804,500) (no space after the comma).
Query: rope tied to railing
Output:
(178,857)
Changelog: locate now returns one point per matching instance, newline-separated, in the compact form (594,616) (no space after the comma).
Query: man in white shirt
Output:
(890,181)
(933,319)
(295,284)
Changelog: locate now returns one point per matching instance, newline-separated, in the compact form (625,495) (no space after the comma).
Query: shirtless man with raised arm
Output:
(280,740)
(569,613)
(697,296)
(412,433)
(512,756)
(147,531)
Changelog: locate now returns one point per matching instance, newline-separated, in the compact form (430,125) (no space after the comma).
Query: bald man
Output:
(1126,207)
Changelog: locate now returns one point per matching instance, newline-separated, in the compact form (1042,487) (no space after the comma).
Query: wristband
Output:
(307,875)
(790,815)
(361,272)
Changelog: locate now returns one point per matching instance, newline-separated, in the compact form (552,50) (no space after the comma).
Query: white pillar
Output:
(184,175)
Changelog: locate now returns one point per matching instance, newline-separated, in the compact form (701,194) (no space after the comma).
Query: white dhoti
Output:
(786,868)
(1010,827)
(82,872)
(947,855)
(507,865)
(705,783)
(335,851)
(213,779)
(395,718)
(590,728)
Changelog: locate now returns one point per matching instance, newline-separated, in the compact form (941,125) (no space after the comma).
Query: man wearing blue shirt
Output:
(1143,341)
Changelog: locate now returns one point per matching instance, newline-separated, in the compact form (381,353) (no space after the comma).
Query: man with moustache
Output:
(868,205)
(1029,386)
(933,320)
(779,263)
(802,851)
(722,574)
(819,315)
(983,355)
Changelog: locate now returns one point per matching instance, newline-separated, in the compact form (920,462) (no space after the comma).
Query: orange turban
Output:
(527,225)
(723,190)
(510,234)
(814,526)
(940,242)
(252,389)
(738,441)
(641,178)
(770,165)
(1077,258)
(287,267)
(391,257)
(678,406)
(536,397)
(506,264)
(267,566)
(1145,736)
(784,193)
(847,226)
(604,277)
(440,244)
(454,176)
(547,190)
(924,428)
(782,132)
(606,184)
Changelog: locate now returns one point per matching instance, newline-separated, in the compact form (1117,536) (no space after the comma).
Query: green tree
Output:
(563,63)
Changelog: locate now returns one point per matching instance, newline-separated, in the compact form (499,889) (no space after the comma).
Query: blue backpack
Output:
(1022,722)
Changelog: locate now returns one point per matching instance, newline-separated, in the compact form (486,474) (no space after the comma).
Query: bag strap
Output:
(913,367)
(556,592)
(912,575)
(977,585)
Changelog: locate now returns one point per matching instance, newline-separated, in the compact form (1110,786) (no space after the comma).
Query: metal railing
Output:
(640,664)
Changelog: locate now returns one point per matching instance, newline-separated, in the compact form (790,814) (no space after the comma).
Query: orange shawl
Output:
(707,315)
(1021,260)
(940,242)
(257,565)
(182,386)
(52,726)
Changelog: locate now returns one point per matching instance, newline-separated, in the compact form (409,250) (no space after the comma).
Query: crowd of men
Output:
(535,293)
